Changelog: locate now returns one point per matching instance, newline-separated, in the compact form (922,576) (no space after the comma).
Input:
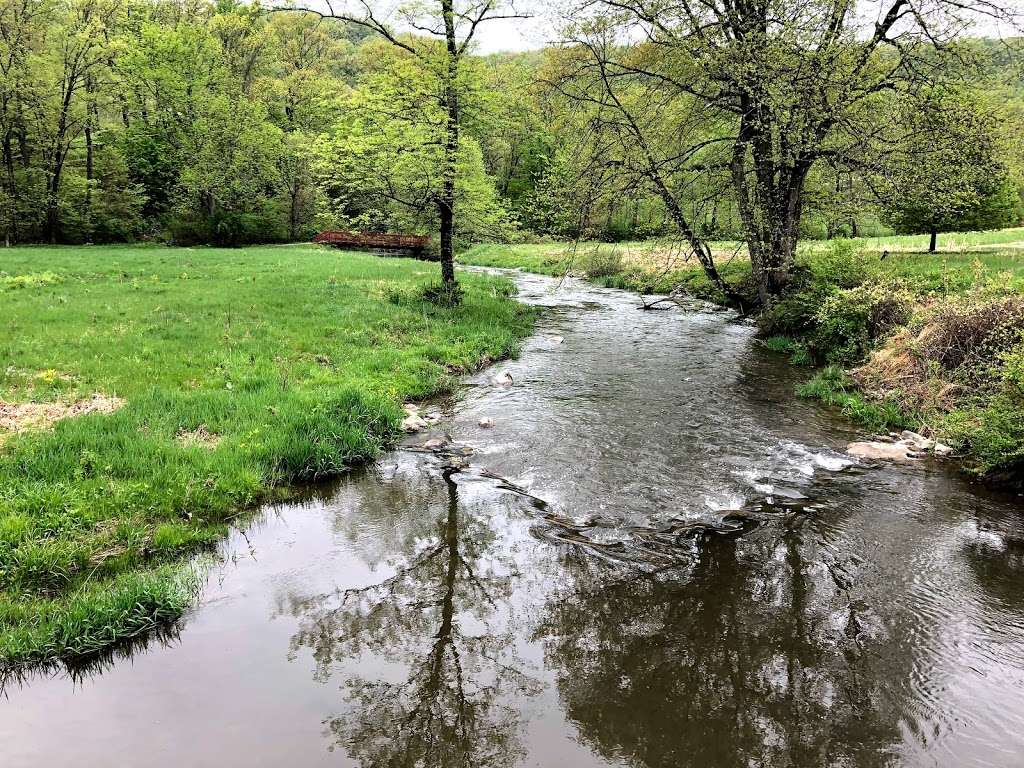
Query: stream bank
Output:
(655,556)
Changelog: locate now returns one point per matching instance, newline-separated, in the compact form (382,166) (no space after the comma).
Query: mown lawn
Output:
(241,371)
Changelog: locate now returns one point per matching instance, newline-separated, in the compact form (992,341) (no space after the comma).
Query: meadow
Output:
(659,266)
(228,376)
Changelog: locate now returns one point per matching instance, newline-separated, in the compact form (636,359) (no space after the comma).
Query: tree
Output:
(167,75)
(83,53)
(445,33)
(233,170)
(437,619)
(788,84)
(380,163)
(20,31)
(949,174)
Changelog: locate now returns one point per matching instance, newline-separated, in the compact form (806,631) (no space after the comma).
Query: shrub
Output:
(442,294)
(1013,372)
(965,334)
(850,321)
(840,266)
(993,435)
(817,276)
(601,262)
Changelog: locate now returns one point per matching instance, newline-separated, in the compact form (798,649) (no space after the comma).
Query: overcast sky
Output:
(514,35)
(536,32)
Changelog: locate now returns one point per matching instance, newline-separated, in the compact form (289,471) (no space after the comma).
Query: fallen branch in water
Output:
(654,304)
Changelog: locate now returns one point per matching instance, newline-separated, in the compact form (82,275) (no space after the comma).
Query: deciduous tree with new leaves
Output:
(439,35)
(760,91)
(950,174)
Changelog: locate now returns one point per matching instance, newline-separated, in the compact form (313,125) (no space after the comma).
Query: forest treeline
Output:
(225,123)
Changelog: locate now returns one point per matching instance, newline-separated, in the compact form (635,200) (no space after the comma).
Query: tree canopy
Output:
(231,123)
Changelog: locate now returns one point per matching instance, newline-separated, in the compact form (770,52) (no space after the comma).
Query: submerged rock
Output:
(788,494)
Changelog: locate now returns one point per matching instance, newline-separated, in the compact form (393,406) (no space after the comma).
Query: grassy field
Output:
(228,374)
(659,266)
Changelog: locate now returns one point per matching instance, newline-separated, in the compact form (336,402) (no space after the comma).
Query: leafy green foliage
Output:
(951,175)
(600,262)
(835,310)
(993,436)
(834,387)
(380,164)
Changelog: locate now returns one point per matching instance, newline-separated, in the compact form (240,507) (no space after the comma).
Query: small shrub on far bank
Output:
(834,311)
(993,436)
(442,294)
(850,321)
(963,334)
(601,262)
(840,266)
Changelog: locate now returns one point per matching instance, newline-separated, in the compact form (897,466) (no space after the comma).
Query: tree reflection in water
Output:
(438,618)
(755,658)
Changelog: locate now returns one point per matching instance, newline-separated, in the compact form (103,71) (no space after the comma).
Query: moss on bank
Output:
(242,373)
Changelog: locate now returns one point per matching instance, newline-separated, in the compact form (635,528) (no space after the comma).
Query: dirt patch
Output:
(18,417)
(200,436)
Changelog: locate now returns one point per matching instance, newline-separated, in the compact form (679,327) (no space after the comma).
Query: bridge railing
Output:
(387,240)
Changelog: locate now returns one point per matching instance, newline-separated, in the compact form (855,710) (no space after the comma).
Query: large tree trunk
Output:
(770,200)
(293,211)
(933,240)
(53,203)
(89,173)
(446,198)
(61,147)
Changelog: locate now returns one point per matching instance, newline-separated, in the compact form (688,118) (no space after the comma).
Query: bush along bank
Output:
(900,354)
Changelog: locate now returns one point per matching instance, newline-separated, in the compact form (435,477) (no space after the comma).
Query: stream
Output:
(657,556)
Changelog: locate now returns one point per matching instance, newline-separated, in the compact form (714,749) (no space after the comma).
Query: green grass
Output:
(645,267)
(1012,238)
(833,387)
(294,358)
(658,266)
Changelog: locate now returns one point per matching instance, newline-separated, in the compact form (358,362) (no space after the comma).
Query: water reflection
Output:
(759,658)
(441,617)
(681,569)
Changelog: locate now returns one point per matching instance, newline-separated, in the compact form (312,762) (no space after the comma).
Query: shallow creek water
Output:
(656,557)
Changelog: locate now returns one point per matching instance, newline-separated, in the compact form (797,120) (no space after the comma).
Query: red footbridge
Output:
(379,241)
